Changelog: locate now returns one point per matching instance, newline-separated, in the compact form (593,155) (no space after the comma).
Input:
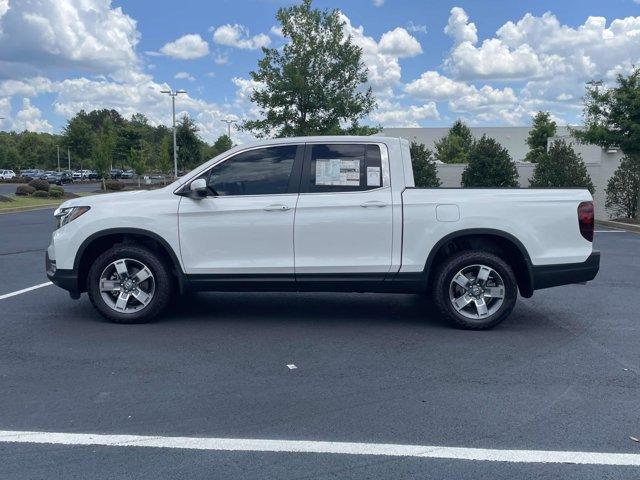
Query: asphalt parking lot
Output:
(562,374)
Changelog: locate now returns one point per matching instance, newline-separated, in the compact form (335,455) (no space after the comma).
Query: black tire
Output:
(451,266)
(161,274)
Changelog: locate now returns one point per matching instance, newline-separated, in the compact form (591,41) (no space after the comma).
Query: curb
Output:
(47,206)
(623,226)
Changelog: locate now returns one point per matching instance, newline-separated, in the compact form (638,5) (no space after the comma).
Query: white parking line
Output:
(303,446)
(24,290)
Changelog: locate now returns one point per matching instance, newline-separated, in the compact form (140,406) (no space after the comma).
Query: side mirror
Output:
(198,188)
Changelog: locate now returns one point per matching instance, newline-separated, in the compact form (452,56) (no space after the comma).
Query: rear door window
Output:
(342,168)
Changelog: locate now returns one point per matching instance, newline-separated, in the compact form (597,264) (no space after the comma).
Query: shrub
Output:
(490,165)
(56,188)
(41,185)
(561,167)
(113,185)
(425,174)
(622,189)
(40,194)
(24,189)
(55,193)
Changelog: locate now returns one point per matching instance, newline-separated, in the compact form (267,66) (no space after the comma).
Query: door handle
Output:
(276,208)
(373,203)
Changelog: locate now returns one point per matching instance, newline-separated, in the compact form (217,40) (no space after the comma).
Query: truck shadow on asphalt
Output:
(304,308)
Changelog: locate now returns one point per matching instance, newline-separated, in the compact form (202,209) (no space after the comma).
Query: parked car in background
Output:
(32,174)
(92,175)
(49,174)
(115,173)
(7,174)
(81,174)
(127,174)
(322,214)
(59,178)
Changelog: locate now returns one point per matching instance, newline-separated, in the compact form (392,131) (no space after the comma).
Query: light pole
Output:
(58,147)
(173,94)
(229,121)
(595,84)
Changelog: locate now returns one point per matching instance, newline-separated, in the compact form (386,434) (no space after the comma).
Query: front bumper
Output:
(545,276)
(66,279)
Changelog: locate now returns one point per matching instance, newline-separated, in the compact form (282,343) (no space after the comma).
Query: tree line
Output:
(104,139)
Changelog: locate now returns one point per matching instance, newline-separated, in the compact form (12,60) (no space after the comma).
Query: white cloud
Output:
(238,36)
(392,114)
(220,58)
(28,87)
(417,28)
(186,47)
(277,31)
(459,28)
(378,3)
(399,43)
(432,85)
(486,96)
(493,60)
(384,68)
(30,118)
(184,76)
(535,48)
(82,34)
(4,6)
(5,108)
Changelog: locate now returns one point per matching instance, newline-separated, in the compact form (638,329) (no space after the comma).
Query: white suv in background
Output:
(7,174)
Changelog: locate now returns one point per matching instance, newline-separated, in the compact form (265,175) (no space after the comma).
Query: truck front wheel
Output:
(475,289)
(129,284)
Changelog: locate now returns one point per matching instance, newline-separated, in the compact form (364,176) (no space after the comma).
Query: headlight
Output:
(69,214)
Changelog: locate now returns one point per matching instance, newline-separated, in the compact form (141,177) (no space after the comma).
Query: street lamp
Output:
(595,84)
(229,121)
(173,94)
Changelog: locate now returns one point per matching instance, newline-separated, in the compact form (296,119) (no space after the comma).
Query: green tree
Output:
(315,82)
(612,118)
(425,174)
(78,136)
(165,156)
(456,145)
(222,144)
(188,142)
(561,167)
(137,161)
(543,128)
(102,152)
(490,165)
(622,189)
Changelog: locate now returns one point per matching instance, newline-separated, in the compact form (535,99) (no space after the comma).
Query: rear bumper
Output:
(545,276)
(66,279)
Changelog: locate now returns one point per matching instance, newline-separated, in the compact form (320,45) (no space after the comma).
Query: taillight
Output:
(586,219)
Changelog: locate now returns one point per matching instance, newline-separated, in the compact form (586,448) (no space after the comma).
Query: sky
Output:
(430,62)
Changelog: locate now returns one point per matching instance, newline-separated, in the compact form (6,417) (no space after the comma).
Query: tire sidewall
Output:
(160,273)
(453,266)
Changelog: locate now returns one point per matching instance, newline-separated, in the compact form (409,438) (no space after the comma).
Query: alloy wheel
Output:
(127,285)
(477,292)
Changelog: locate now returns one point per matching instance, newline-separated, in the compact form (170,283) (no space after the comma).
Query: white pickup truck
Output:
(321,214)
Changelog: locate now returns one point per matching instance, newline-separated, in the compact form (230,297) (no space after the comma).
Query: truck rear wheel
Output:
(475,289)
(129,284)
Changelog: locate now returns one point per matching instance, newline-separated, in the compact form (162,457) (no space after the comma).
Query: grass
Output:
(21,202)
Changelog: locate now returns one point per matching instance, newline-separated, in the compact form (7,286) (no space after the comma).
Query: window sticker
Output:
(336,171)
(373,176)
